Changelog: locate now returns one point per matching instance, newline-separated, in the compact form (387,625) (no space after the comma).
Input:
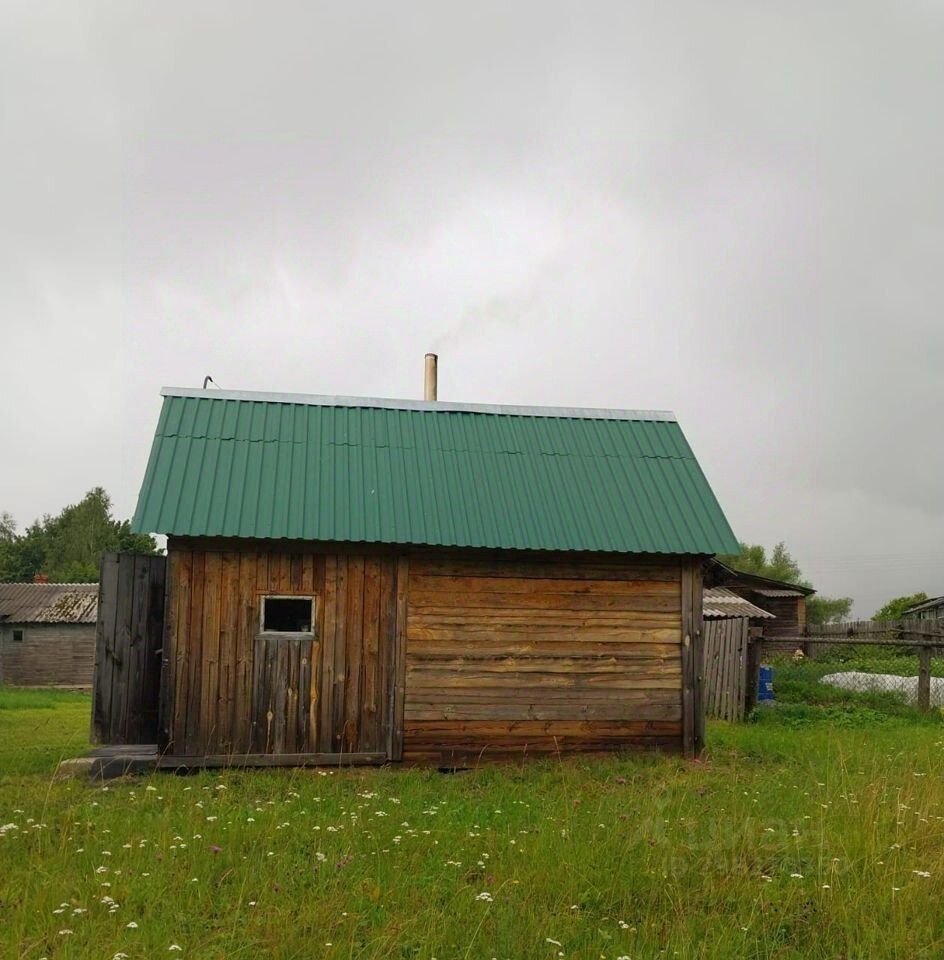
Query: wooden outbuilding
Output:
(785,601)
(47,634)
(932,609)
(729,622)
(375,580)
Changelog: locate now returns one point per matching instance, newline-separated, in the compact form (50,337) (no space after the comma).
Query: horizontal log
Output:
(436,566)
(474,753)
(629,666)
(459,640)
(546,711)
(446,730)
(534,586)
(540,619)
(534,694)
(417,680)
(435,601)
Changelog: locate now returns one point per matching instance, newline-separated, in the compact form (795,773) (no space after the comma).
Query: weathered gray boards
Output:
(47,634)
(128,649)
(726,665)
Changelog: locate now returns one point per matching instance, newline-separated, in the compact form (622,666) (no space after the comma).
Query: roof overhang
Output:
(720,602)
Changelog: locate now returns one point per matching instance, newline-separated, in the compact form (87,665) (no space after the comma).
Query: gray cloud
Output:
(733,211)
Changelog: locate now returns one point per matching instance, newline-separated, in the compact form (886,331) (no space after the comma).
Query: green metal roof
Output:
(386,471)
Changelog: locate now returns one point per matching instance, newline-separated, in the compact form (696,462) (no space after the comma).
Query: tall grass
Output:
(784,842)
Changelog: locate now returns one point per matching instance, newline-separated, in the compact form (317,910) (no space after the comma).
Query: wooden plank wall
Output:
(211,626)
(429,655)
(49,655)
(231,690)
(128,638)
(725,658)
(508,656)
(359,642)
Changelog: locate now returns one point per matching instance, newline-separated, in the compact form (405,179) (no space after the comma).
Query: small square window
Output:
(17,636)
(287,614)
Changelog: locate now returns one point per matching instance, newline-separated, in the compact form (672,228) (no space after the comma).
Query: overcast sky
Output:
(733,211)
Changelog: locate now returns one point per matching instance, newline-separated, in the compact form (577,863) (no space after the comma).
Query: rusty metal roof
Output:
(48,602)
(722,602)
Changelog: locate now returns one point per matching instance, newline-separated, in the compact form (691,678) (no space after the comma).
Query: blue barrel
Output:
(765,685)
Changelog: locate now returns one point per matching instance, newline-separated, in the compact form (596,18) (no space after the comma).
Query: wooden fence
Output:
(925,638)
(733,655)
(126,682)
(725,667)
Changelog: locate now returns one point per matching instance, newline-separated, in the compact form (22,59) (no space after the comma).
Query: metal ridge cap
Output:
(423,406)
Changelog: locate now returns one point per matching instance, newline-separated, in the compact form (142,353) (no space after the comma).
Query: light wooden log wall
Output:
(506,656)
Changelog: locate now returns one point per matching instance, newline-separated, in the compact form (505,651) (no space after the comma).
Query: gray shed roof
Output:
(720,602)
(929,604)
(48,602)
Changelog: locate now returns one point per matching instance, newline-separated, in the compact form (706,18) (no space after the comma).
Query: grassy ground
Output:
(794,838)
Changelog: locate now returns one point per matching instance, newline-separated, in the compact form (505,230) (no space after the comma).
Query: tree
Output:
(827,609)
(753,558)
(68,548)
(895,608)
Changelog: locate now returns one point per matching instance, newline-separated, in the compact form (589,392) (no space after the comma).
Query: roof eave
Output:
(431,406)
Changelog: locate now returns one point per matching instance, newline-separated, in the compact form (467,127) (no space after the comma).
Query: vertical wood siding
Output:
(128,648)
(231,689)
(725,656)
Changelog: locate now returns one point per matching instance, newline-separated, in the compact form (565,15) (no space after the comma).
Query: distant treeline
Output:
(67,548)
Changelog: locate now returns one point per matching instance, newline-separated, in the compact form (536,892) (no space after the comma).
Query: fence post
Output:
(924,677)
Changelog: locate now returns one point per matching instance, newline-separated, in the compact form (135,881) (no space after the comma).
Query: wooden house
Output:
(932,609)
(785,601)
(47,634)
(378,580)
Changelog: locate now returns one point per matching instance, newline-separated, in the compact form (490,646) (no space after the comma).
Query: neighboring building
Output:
(386,579)
(786,601)
(728,621)
(720,603)
(932,609)
(47,634)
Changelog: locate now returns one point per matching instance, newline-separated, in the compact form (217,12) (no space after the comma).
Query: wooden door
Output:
(285,694)
(128,640)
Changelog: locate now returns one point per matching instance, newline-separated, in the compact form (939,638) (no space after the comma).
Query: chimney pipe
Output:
(430,382)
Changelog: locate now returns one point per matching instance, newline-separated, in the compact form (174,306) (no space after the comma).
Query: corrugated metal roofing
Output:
(722,602)
(767,592)
(314,469)
(48,602)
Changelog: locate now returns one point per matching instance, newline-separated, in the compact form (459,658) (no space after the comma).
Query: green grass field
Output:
(814,832)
